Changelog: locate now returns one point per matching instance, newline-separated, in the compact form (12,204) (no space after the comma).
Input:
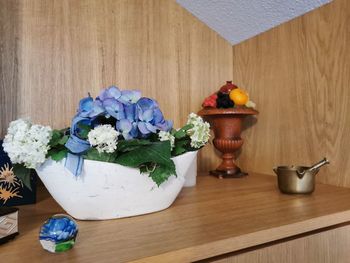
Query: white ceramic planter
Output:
(191,174)
(108,190)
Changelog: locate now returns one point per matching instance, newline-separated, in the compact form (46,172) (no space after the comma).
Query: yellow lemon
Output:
(239,97)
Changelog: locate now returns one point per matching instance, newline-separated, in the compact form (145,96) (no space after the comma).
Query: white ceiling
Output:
(238,20)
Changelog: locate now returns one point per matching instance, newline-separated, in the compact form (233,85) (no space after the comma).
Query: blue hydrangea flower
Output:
(88,107)
(130,112)
(128,129)
(135,117)
(130,96)
(110,93)
(128,126)
(150,118)
(85,106)
(114,108)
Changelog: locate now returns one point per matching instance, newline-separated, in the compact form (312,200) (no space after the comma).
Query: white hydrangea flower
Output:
(104,138)
(200,133)
(166,136)
(26,143)
(194,119)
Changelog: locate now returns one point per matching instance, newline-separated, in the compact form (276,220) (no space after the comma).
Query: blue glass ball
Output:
(58,233)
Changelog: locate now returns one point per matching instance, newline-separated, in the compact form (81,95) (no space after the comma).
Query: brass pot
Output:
(292,182)
(298,179)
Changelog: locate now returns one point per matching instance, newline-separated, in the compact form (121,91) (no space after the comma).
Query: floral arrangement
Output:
(229,96)
(117,126)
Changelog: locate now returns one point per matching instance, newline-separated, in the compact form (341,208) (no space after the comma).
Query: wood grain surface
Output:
(69,48)
(299,75)
(213,218)
(325,247)
(9,53)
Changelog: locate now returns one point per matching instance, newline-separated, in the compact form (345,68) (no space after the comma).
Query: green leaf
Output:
(162,173)
(157,152)
(83,130)
(182,133)
(56,136)
(57,154)
(153,158)
(64,130)
(180,147)
(129,145)
(93,154)
(23,173)
(147,168)
(144,169)
(63,140)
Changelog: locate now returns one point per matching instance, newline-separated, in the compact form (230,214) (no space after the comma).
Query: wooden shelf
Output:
(213,218)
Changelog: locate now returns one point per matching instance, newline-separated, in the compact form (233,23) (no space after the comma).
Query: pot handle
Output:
(275,169)
(300,174)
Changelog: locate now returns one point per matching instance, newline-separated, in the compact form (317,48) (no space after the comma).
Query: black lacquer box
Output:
(12,190)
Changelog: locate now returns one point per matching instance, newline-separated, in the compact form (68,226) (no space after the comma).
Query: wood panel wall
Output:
(323,247)
(299,75)
(9,53)
(69,48)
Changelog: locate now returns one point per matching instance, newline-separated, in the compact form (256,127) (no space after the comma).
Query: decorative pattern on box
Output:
(8,223)
(12,190)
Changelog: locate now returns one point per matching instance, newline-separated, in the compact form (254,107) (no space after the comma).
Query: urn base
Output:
(237,173)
